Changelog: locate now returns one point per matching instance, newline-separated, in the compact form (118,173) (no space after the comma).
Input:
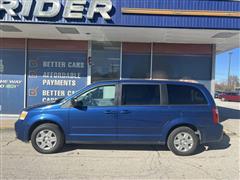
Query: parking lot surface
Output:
(216,161)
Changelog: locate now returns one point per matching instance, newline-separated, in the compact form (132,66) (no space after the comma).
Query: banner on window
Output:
(55,74)
(11,80)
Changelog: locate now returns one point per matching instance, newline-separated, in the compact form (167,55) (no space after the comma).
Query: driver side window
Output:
(99,96)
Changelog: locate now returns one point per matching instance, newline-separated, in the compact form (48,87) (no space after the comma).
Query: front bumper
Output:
(211,134)
(21,130)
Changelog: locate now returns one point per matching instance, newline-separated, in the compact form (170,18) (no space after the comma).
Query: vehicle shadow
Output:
(129,147)
(223,144)
(228,113)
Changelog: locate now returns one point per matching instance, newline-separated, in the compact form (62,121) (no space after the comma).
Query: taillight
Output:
(215,115)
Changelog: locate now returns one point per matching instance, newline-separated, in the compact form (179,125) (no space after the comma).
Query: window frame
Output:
(137,83)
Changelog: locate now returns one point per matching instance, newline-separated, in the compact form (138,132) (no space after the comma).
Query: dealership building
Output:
(52,48)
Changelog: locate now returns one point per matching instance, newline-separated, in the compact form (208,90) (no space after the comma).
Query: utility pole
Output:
(229,67)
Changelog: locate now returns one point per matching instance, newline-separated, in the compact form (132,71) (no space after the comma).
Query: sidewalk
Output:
(7,123)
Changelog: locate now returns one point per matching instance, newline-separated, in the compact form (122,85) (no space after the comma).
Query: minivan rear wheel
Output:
(183,141)
(47,138)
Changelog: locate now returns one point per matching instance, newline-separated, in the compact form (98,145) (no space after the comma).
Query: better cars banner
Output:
(55,74)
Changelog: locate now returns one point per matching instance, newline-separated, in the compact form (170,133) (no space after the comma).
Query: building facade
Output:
(52,48)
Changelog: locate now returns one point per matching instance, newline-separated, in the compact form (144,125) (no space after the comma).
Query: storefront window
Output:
(12,71)
(105,61)
(176,61)
(136,60)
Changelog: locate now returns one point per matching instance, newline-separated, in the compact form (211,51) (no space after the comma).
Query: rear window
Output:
(140,95)
(184,95)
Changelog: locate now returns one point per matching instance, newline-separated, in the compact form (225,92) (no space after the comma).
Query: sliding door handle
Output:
(124,112)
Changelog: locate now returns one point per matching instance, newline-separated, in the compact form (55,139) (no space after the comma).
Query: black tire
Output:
(179,131)
(48,127)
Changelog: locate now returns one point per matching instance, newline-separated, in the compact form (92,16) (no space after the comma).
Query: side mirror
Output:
(77,104)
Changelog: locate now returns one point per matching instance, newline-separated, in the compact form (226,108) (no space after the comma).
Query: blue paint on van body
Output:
(123,123)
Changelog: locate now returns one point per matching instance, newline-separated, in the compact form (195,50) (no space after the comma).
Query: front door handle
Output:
(124,112)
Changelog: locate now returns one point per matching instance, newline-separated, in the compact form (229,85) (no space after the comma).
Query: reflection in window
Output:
(100,96)
(105,61)
(136,60)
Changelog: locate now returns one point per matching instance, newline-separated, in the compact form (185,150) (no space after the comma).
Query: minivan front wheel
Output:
(47,138)
(183,141)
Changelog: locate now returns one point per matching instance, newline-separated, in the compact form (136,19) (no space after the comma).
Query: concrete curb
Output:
(7,124)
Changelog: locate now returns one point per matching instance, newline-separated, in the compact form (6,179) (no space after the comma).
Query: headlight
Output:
(23,115)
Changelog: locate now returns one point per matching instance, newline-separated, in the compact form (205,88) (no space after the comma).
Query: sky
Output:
(222,64)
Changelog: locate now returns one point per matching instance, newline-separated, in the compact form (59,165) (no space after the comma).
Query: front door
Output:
(96,120)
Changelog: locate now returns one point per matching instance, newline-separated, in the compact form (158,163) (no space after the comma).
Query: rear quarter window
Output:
(185,95)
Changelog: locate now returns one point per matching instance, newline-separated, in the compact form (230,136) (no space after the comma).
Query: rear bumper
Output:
(211,134)
(21,130)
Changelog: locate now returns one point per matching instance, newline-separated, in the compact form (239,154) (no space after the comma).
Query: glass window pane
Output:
(12,70)
(176,61)
(178,94)
(100,96)
(105,61)
(136,60)
(140,95)
(181,67)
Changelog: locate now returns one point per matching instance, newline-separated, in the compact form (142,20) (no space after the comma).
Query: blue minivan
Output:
(181,115)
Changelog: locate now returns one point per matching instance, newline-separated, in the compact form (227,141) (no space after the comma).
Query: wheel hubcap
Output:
(183,142)
(46,139)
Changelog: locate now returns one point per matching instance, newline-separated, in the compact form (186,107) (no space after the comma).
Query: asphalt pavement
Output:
(216,161)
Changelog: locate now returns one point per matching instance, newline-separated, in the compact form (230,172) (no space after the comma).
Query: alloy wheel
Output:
(46,139)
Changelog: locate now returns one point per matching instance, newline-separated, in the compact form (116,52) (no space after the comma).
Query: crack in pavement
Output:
(231,133)
(197,167)
(166,173)
(9,142)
